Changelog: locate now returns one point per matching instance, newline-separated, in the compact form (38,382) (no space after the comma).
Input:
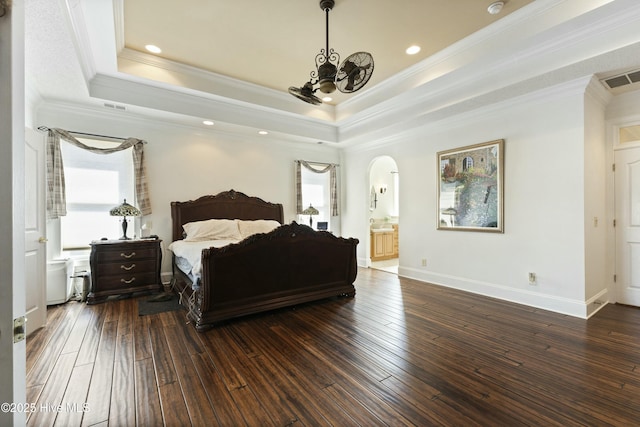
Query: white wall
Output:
(544,201)
(184,163)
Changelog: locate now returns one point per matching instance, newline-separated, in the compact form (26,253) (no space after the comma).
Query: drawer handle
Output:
(124,267)
(128,281)
(132,254)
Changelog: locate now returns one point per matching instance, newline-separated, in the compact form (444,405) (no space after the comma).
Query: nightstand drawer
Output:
(113,283)
(126,254)
(124,268)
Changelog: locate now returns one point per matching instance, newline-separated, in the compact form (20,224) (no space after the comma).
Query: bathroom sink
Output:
(381,230)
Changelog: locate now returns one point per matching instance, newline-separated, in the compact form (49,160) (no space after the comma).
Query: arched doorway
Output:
(384,214)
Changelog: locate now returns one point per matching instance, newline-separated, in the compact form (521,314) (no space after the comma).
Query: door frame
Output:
(614,128)
(35,232)
(619,284)
(12,298)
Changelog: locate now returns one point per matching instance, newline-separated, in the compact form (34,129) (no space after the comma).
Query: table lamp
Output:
(124,210)
(310,211)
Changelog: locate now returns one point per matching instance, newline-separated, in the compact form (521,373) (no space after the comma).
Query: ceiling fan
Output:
(352,74)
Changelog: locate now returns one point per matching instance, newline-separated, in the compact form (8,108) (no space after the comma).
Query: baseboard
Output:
(526,297)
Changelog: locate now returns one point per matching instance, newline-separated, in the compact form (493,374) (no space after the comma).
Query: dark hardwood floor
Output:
(400,353)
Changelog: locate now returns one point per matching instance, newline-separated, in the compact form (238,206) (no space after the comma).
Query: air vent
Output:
(615,82)
(115,106)
(622,79)
(634,77)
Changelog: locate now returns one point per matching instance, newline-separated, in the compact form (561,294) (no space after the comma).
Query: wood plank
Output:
(126,317)
(46,409)
(38,341)
(165,372)
(76,336)
(89,347)
(172,400)
(268,388)
(174,409)
(74,400)
(227,413)
(99,396)
(122,412)
(49,356)
(147,403)
(142,341)
(195,396)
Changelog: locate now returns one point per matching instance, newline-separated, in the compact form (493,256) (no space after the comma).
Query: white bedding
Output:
(191,252)
(199,235)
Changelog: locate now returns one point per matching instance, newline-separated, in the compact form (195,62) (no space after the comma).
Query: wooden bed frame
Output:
(291,265)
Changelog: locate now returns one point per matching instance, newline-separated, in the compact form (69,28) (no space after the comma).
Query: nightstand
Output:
(123,267)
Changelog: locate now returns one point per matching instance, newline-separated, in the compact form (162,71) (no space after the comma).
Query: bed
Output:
(274,265)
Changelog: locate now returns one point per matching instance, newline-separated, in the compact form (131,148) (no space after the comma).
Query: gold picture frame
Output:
(471,188)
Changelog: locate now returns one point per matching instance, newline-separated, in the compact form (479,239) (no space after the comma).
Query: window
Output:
(95,183)
(316,192)
(467,163)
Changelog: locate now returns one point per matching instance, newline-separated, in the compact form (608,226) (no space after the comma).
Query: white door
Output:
(627,194)
(35,258)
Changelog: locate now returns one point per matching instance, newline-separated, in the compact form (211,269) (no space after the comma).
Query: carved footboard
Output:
(291,265)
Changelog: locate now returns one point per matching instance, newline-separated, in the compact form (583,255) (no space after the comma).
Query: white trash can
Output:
(59,281)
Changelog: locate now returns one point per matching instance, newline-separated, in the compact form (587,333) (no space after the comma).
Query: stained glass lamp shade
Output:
(310,211)
(124,210)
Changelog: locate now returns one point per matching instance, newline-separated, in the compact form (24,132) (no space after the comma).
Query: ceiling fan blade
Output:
(305,94)
(354,72)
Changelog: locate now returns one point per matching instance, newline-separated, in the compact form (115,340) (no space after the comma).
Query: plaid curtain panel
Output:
(333,183)
(56,201)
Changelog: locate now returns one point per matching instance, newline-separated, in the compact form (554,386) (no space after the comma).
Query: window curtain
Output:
(333,183)
(56,200)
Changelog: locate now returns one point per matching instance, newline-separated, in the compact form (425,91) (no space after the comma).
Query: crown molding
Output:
(166,98)
(441,121)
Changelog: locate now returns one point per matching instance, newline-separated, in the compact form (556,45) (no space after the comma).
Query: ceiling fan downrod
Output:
(326,69)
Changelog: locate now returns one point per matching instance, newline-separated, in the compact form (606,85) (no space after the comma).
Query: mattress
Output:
(188,255)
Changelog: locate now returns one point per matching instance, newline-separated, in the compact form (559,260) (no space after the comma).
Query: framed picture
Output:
(470,188)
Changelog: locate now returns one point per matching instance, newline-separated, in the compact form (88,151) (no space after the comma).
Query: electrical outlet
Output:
(532,278)
(424,262)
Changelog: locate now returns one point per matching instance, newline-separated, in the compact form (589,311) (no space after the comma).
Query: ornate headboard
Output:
(225,205)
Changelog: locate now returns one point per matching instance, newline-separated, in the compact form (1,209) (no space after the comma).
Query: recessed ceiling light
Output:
(412,50)
(327,99)
(495,7)
(263,132)
(208,122)
(153,48)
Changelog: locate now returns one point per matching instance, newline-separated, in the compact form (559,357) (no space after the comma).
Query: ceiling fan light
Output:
(326,77)
(327,86)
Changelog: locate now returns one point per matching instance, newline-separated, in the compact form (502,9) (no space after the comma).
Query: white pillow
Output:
(249,228)
(212,229)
